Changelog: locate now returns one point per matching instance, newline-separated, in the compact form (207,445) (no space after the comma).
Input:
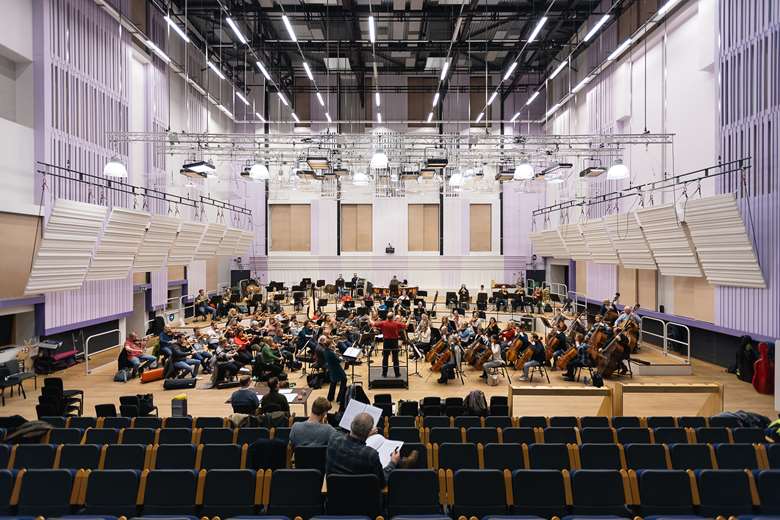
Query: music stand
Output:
(352,354)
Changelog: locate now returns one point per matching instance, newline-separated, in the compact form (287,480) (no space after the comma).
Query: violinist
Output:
(455,352)
(224,363)
(582,359)
(233,317)
(268,360)
(538,356)
(492,328)
(502,299)
(496,360)
(423,333)
(476,321)
(305,335)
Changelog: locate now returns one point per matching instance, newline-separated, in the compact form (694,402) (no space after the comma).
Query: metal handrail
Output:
(580,302)
(559,289)
(86,346)
(687,344)
(643,332)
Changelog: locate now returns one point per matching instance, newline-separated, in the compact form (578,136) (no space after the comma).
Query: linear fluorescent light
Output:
(492,97)
(512,68)
(289,27)
(531,99)
(308,71)
(327,116)
(617,52)
(552,110)
(261,118)
(430,116)
(158,51)
(537,29)
(282,98)
(379,117)
(444,69)
(319,98)
(216,70)
(225,110)
(581,84)
(236,30)
(596,27)
(376,99)
(514,117)
(262,69)
(242,98)
(176,28)
(557,70)
(665,8)
(435,99)
(371,29)
(480,116)
(295,116)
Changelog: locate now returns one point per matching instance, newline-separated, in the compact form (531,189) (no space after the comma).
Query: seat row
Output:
(446,456)
(300,492)
(162,435)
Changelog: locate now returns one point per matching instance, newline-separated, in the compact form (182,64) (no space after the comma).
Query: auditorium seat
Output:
(457,456)
(598,492)
(560,435)
(736,456)
(111,492)
(600,456)
(413,492)
(468,421)
(645,456)
(170,492)
(712,435)
(690,456)
(632,434)
(174,457)
(311,457)
(773,454)
(33,456)
(498,421)
(750,435)
(229,492)
(538,492)
(504,456)
(79,456)
(216,436)
(7,479)
(5,455)
(101,436)
(442,435)
(499,405)
(45,492)
(625,421)
(173,436)
(482,435)
(295,492)
(250,435)
(519,435)
(724,492)
(530,421)
(693,421)
(411,408)
(404,434)
(670,435)
(209,422)
(453,407)
(664,492)
(479,492)
(594,421)
(282,434)
(354,495)
(597,435)
(148,422)
(431,410)
(138,436)
(65,436)
(723,421)
(124,456)
(564,421)
(549,456)
(768,484)
(661,421)
(177,422)
(402,421)
(436,421)
(422,453)
(82,423)
(55,421)
(117,422)
(220,456)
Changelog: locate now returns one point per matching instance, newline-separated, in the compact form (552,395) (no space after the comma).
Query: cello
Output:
(442,358)
(437,349)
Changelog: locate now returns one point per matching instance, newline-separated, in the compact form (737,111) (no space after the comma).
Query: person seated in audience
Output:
(202,306)
(245,400)
(581,360)
(273,401)
(537,358)
(135,351)
(496,360)
(315,431)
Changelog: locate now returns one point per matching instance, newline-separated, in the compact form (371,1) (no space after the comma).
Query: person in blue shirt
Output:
(581,360)
(537,358)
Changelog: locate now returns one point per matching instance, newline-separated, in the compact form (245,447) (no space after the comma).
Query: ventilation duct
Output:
(575,243)
(629,242)
(153,254)
(668,240)
(186,244)
(602,251)
(121,240)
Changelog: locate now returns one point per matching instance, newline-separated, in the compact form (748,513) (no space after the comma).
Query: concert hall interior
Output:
(271,257)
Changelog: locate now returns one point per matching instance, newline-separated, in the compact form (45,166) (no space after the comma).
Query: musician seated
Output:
(233,317)
(273,401)
(465,334)
(305,335)
(538,356)
(225,303)
(224,365)
(202,307)
(627,315)
(560,336)
(447,371)
(136,352)
(268,361)
(496,360)
(463,295)
(245,400)
(180,363)
(581,360)
(598,324)
(502,299)
(508,334)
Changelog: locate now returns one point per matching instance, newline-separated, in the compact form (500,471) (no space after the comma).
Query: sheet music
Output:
(290,397)
(245,323)
(352,352)
(385,447)
(355,407)
(285,390)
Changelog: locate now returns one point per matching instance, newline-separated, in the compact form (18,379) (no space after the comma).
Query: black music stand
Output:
(353,360)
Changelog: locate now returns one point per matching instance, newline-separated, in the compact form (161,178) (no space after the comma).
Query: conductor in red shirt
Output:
(391,332)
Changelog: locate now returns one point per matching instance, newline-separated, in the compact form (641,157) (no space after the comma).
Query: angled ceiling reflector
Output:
(244,242)
(153,253)
(210,242)
(229,241)
(549,243)
(574,241)
(122,237)
(629,242)
(186,244)
(601,249)
(668,240)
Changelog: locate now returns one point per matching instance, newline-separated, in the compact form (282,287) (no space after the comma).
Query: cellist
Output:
(560,340)
(598,324)
(581,360)
(455,352)
(538,356)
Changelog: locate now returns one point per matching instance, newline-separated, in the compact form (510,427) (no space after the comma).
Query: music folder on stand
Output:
(352,354)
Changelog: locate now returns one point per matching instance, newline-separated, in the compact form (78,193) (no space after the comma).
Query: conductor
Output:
(391,332)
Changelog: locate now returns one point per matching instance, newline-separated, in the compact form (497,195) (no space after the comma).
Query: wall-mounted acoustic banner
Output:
(244,242)
(549,243)
(602,251)
(668,240)
(210,242)
(725,251)
(69,238)
(118,245)
(574,241)
(153,254)
(186,244)
(629,242)
(229,242)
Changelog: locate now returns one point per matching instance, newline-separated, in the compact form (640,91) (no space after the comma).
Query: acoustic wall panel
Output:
(153,253)
(574,241)
(244,242)
(186,244)
(64,254)
(229,241)
(725,251)
(210,242)
(668,240)
(549,243)
(601,249)
(121,239)
(629,242)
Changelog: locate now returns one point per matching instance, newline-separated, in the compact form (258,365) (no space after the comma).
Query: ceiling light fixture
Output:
(289,27)
(558,70)
(360,178)
(308,71)
(176,28)
(512,68)
(537,29)
(514,117)
(115,168)
(596,27)
(552,110)
(262,69)
(236,30)
(531,99)
(524,171)
(456,180)
(436,99)
(379,117)
(242,98)
(282,98)
(379,160)
(581,84)
(480,116)
(620,48)
(261,118)
(215,69)
(376,99)
(444,68)
(492,97)
(430,116)
(371,29)
(158,51)
(295,116)
(319,98)
(665,8)
(201,167)
(617,171)
(259,171)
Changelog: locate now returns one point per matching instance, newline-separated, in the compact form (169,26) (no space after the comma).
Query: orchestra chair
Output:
(354,495)
(137,436)
(737,456)
(60,492)
(507,456)
(662,492)
(63,436)
(725,492)
(751,435)
(666,435)
(768,482)
(110,493)
(228,493)
(125,456)
(77,456)
(598,435)
(538,369)
(477,492)
(773,455)
(105,410)
(293,492)
(173,457)
(70,396)
(548,456)
(413,492)
(32,456)
(692,456)
(221,456)
(601,456)
(168,492)
(456,456)
(601,492)
(539,492)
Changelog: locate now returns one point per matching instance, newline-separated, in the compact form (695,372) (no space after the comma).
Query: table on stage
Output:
(301,395)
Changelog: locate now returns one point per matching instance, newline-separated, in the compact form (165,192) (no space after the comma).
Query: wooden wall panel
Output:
(365,227)
(176,272)
(139,278)
(300,227)
(349,227)
(212,273)
(280,227)
(20,232)
(480,227)
(431,227)
(582,277)
(647,288)
(694,298)
(415,223)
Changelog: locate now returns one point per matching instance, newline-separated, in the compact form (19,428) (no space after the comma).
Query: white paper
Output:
(245,323)
(352,352)
(384,447)
(285,390)
(355,407)
(290,397)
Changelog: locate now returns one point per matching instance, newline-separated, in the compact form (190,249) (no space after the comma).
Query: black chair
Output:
(538,492)
(600,456)
(404,434)
(12,375)
(54,421)
(431,410)
(174,436)
(436,421)
(560,435)
(401,421)
(178,422)
(661,422)
(82,422)
(413,492)
(170,492)
(724,492)
(482,435)
(354,495)
(229,493)
(664,492)
(33,456)
(504,456)
(282,434)
(625,421)
(311,457)
(220,456)
(105,410)
(479,492)
(148,422)
(101,436)
(768,482)
(453,406)
(598,492)
(112,492)
(709,435)
(442,435)
(468,421)
(597,435)
(125,456)
(131,406)
(670,435)
(295,492)
(117,422)
(457,456)
(56,383)
(645,456)
(408,408)
(751,435)
(690,456)
(65,436)
(175,457)
(594,421)
(138,436)
(564,422)
(250,435)
(773,454)
(549,456)
(498,421)
(529,421)
(634,435)
(54,502)
(519,435)
(692,422)
(79,456)
(736,456)
(724,421)
(209,422)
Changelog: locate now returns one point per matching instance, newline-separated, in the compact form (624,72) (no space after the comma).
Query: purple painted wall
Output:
(601,281)
(517,226)
(159,289)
